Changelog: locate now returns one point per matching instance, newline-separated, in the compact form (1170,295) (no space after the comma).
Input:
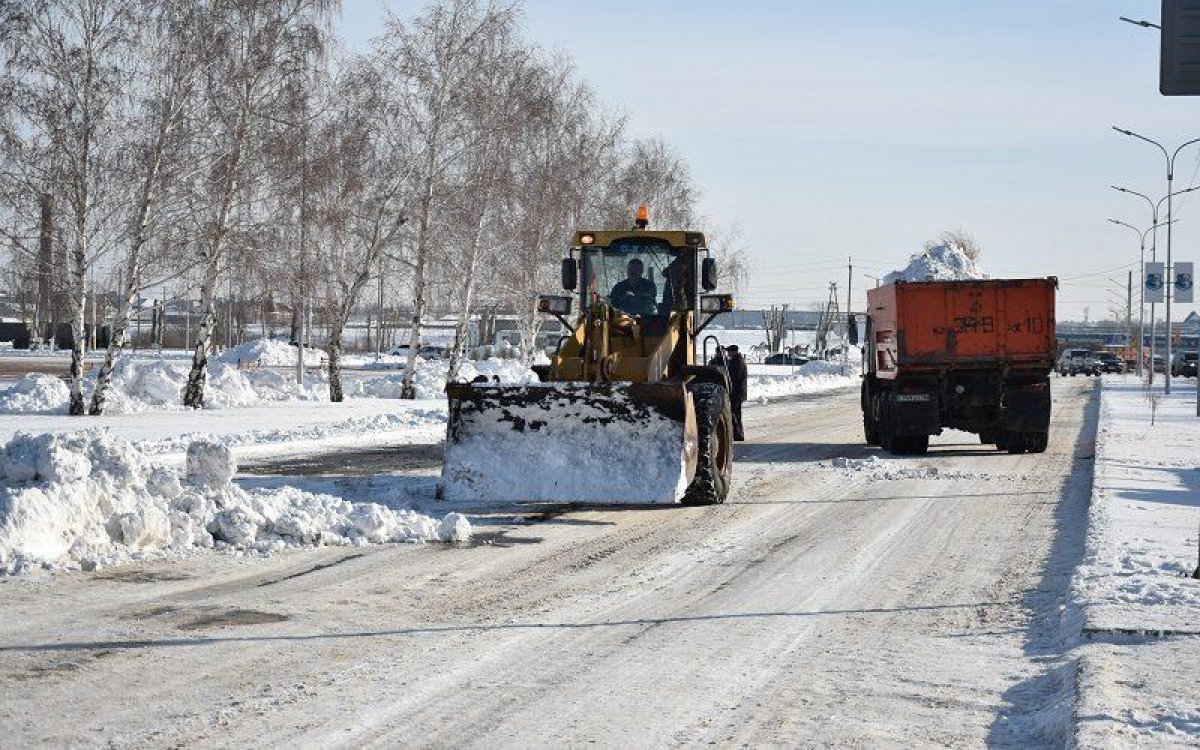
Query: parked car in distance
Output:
(1183,364)
(1077,362)
(785,359)
(428,351)
(1109,362)
(1160,364)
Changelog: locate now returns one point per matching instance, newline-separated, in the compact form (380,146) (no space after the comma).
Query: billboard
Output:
(1155,282)
(1179,55)
(1184,280)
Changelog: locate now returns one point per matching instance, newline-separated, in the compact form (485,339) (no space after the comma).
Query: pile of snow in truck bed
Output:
(938,263)
(86,499)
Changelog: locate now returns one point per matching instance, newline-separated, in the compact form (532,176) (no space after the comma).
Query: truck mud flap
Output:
(915,414)
(589,443)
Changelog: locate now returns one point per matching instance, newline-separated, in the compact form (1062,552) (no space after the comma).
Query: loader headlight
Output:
(553,304)
(716,303)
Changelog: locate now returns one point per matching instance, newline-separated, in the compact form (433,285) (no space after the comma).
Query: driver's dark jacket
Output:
(634,296)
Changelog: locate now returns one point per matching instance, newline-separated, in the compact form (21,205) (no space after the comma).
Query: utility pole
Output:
(849,281)
(1129,307)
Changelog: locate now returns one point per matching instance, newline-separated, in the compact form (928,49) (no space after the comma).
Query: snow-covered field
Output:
(1140,606)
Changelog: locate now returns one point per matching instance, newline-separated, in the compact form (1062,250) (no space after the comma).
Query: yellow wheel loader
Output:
(623,413)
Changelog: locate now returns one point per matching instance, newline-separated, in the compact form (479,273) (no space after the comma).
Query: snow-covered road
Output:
(824,604)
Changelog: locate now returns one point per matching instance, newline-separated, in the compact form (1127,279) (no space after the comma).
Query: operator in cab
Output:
(635,293)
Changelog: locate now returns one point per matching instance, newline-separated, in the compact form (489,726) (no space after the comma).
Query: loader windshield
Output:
(636,276)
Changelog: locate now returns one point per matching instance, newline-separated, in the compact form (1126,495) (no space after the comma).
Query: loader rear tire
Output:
(714,460)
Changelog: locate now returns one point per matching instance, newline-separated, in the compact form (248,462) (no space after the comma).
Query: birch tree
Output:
(564,154)
(174,43)
(363,182)
(497,109)
(71,67)
(435,59)
(252,40)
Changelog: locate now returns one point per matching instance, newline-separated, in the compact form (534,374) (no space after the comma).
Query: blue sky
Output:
(830,129)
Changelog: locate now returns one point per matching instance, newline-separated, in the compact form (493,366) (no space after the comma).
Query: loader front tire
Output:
(714,431)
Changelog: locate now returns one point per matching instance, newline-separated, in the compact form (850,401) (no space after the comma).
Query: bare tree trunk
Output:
(335,361)
(468,297)
(193,394)
(408,388)
(78,300)
(133,264)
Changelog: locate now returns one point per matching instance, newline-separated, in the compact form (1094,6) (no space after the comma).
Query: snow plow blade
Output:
(569,442)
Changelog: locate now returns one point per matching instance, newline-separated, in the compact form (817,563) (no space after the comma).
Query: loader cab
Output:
(640,276)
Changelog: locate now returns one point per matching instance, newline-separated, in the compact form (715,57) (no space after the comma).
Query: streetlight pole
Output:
(1155,209)
(1142,297)
(1170,157)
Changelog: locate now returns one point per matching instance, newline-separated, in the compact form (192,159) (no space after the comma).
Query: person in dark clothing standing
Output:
(635,293)
(738,373)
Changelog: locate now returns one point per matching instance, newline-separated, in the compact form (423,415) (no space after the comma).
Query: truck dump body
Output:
(1001,323)
(970,355)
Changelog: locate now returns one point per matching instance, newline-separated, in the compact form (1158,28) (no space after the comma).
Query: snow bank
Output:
(86,499)
(767,382)
(157,385)
(938,263)
(36,393)
(1142,521)
(430,378)
(269,353)
(154,386)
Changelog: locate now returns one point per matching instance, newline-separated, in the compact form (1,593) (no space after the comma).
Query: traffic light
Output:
(1179,58)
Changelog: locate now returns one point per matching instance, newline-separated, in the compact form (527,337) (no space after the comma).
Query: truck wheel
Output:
(870,431)
(714,431)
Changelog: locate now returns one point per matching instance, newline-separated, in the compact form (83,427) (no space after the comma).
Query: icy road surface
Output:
(823,604)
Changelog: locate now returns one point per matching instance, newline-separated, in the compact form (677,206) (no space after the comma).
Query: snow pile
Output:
(269,353)
(766,382)
(153,386)
(1142,521)
(36,393)
(86,499)
(157,385)
(938,263)
(429,378)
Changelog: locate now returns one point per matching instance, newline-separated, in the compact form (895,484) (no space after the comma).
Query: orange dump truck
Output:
(970,355)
